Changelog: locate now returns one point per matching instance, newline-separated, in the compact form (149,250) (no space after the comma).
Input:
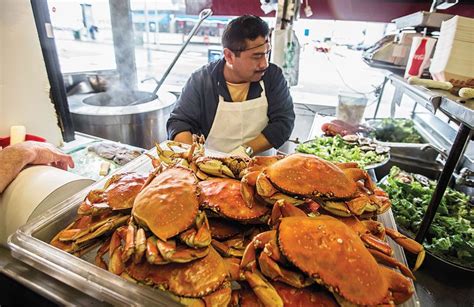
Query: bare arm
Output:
(184,137)
(259,144)
(14,158)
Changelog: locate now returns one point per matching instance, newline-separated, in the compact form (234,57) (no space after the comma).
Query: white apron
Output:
(236,123)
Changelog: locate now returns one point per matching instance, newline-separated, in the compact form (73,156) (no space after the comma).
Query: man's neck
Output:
(230,76)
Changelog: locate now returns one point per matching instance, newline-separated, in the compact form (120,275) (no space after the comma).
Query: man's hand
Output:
(185,137)
(239,151)
(14,158)
(46,154)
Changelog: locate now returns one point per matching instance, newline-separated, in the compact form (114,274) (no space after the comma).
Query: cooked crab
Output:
(371,232)
(195,279)
(166,214)
(222,196)
(327,251)
(300,178)
(118,193)
(86,231)
(290,296)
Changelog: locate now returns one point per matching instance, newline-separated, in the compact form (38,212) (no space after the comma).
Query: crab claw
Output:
(281,208)
(400,287)
(200,235)
(247,187)
(409,244)
(263,289)
(392,262)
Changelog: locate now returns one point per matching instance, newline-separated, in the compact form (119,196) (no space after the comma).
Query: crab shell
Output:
(311,176)
(222,229)
(118,194)
(222,195)
(193,279)
(343,263)
(121,189)
(308,296)
(291,296)
(169,204)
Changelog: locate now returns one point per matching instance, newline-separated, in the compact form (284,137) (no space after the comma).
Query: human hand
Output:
(239,151)
(45,154)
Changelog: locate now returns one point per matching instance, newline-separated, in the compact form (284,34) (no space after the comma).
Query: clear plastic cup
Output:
(351,107)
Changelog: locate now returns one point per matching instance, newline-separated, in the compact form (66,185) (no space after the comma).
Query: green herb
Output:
(451,235)
(396,130)
(335,149)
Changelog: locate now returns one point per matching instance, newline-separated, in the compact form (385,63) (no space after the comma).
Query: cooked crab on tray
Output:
(220,231)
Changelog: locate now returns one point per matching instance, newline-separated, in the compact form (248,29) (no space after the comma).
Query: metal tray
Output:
(30,245)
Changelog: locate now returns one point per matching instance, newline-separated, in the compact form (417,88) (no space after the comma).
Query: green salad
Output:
(336,149)
(396,130)
(451,235)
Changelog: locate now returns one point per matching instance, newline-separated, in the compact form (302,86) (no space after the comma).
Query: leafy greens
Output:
(335,149)
(451,235)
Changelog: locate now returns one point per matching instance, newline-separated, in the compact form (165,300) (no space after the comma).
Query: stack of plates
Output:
(453,59)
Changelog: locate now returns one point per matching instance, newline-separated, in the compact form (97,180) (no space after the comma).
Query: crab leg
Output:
(375,243)
(281,208)
(258,242)
(263,289)
(230,248)
(390,261)
(153,255)
(409,244)
(247,188)
(271,269)
(140,245)
(400,287)
(99,260)
(181,254)
(200,236)
(101,228)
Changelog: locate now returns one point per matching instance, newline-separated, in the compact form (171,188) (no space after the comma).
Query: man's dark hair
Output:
(242,28)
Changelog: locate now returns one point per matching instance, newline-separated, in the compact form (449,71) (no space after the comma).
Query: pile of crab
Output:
(265,231)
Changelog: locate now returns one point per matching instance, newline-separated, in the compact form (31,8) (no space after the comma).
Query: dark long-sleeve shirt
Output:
(196,107)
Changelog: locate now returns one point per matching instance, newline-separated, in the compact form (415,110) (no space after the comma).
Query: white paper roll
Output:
(35,190)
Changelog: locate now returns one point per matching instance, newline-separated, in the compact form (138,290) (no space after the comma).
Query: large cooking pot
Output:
(110,116)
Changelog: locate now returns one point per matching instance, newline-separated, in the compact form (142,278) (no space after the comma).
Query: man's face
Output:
(253,61)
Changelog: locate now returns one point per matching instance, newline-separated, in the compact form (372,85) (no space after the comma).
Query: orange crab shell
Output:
(224,229)
(193,279)
(223,195)
(308,296)
(169,204)
(343,263)
(121,190)
(309,175)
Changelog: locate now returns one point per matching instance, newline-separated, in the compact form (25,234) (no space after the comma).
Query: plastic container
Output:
(351,107)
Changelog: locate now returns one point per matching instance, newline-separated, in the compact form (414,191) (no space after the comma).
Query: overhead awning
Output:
(357,10)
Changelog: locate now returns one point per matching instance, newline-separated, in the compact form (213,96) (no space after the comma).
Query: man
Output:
(15,157)
(240,103)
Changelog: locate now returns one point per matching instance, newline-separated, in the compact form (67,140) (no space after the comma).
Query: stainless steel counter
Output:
(46,286)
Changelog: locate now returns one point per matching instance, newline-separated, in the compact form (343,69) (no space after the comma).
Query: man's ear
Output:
(229,56)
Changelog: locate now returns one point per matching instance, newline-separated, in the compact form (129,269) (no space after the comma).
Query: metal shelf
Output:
(458,110)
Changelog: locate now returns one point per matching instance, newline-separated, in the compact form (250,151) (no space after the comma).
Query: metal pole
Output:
(379,99)
(202,16)
(451,162)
